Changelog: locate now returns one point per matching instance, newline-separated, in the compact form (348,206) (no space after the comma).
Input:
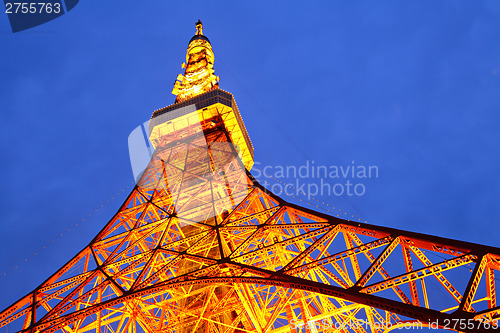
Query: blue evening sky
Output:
(412,87)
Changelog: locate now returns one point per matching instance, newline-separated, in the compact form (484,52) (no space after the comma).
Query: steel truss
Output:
(200,246)
(174,259)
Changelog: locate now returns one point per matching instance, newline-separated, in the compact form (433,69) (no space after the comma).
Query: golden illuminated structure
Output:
(200,246)
(199,74)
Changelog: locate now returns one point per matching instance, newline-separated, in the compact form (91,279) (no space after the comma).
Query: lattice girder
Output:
(200,246)
(264,265)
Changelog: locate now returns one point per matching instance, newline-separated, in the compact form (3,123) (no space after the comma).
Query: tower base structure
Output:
(200,246)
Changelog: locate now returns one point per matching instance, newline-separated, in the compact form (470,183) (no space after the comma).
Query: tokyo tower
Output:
(200,246)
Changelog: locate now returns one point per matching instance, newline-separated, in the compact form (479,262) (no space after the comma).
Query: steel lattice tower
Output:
(200,246)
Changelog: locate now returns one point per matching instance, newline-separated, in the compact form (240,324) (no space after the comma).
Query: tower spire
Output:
(199,27)
(199,74)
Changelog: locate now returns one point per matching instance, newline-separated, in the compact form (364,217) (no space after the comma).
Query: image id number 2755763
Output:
(32,8)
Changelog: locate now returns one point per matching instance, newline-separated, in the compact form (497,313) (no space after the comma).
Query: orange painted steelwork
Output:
(200,246)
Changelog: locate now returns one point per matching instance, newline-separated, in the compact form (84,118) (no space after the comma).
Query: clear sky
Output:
(411,87)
